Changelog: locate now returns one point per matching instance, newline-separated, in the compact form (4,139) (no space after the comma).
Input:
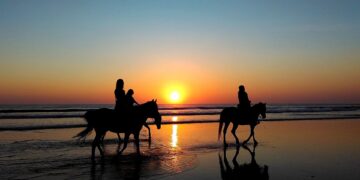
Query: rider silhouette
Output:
(244,102)
(130,101)
(120,96)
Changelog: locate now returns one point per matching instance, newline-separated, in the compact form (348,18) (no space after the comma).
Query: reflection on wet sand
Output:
(250,170)
(174,136)
(127,167)
(155,164)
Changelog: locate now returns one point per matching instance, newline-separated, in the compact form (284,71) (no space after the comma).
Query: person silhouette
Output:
(244,102)
(119,92)
(130,101)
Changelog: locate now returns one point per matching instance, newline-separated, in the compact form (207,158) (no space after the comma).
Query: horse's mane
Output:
(258,105)
(147,103)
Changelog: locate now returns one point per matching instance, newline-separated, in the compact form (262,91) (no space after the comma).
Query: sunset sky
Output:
(282,51)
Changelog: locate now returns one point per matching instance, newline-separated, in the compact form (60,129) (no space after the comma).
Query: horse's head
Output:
(262,110)
(259,109)
(153,112)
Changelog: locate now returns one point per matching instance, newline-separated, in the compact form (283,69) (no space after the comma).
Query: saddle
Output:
(125,113)
(244,112)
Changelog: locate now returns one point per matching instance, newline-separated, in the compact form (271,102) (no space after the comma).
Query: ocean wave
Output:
(62,126)
(184,112)
(55,117)
(83,110)
(46,116)
(271,109)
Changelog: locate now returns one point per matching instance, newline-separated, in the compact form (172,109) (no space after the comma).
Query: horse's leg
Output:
(224,132)
(137,142)
(233,131)
(93,146)
(101,134)
(126,139)
(95,143)
(118,147)
(102,139)
(226,162)
(236,164)
(119,138)
(147,126)
(251,134)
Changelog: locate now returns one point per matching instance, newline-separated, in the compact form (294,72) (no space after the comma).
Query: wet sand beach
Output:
(313,149)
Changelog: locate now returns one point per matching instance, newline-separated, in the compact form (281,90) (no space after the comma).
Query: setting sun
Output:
(175,96)
(175,93)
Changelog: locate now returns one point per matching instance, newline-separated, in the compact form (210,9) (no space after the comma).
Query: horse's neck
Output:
(142,110)
(255,110)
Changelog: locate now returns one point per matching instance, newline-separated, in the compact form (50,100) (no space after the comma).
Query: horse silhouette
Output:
(119,137)
(250,170)
(232,114)
(103,120)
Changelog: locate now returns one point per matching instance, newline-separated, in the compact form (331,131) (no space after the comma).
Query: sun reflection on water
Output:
(174,136)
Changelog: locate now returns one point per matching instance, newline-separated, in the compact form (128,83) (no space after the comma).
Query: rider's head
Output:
(130,92)
(119,84)
(242,88)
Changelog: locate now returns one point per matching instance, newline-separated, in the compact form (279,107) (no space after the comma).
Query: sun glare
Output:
(175,96)
(175,93)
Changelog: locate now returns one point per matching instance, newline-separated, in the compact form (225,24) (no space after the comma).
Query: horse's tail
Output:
(84,133)
(221,122)
(88,129)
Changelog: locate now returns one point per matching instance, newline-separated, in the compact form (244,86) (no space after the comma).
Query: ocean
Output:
(32,117)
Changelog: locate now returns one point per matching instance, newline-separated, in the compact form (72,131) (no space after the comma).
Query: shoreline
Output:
(173,122)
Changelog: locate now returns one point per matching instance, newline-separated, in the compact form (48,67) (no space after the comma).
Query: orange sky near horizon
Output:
(198,84)
(61,53)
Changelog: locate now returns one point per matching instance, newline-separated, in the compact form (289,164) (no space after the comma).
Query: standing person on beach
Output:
(120,96)
(244,102)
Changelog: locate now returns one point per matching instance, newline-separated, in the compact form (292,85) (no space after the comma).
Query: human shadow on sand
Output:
(250,170)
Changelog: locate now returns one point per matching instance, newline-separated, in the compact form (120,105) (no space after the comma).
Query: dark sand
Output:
(322,149)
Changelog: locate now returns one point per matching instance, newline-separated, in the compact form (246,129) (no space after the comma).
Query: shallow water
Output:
(328,149)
